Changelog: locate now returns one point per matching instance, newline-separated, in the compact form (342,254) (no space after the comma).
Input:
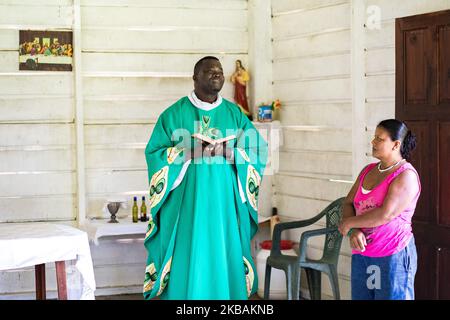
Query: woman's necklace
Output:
(388,168)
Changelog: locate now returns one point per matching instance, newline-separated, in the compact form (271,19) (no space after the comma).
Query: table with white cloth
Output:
(35,244)
(97,228)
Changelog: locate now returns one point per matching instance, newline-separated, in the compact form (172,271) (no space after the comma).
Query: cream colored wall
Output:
(70,140)
(36,123)
(138,58)
(335,71)
(312,78)
(334,76)
(379,44)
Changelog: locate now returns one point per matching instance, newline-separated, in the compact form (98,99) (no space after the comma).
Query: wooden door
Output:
(423,101)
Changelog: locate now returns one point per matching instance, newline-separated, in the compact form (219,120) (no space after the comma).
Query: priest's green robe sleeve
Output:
(250,156)
(166,163)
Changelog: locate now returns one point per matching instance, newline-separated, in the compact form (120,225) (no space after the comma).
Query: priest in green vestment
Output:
(203,195)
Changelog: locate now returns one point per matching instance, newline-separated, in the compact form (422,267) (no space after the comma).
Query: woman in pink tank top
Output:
(377,217)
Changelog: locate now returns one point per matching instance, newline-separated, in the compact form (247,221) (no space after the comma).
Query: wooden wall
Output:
(334,68)
(135,58)
(311,75)
(331,66)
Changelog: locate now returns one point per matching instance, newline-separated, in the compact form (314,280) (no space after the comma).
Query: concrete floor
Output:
(138,296)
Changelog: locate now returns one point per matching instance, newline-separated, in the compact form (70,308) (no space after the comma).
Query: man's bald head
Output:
(200,62)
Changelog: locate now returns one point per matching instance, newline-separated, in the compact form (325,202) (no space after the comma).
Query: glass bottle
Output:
(135,210)
(143,211)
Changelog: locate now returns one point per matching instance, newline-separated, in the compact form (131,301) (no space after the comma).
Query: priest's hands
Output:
(219,149)
(210,150)
(197,152)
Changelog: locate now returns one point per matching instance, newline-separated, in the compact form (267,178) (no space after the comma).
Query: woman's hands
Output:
(357,237)
(344,226)
(358,240)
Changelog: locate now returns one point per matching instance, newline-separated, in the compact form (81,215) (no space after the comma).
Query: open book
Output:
(209,140)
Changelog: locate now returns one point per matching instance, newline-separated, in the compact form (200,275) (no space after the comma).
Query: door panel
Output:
(417,67)
(444,64)
(444,276)
(419,160)
(423,102)
(444,174)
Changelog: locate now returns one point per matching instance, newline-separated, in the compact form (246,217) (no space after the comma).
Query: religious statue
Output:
(240,78)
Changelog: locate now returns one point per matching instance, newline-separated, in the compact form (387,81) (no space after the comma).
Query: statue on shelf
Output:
(240,78)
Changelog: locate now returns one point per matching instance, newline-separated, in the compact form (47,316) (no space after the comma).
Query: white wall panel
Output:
(143,86)
(136,86)
(115,158)
(317,114)
(116,181)
(36,134)
(9,60)
(111,252)
(336,65)
(19,108)
(117,134)
(382,37)
(36,15)
(321,44)
(283,6)
(56,183)
(382,86)
(297,208)
(123,110)
(394,9)
(44,160)
(333,89)
(9,39)
(176,63)
(126,17)
(38,209)
(332,163)
(59,83)
(192,4)
(137,59)
(162,41)
(310,66)
(382,60)
(377,111)
(304,22)
(122,275)
(321,189)
(38,3)
(329,140)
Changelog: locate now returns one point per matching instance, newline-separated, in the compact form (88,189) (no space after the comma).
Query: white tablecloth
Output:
(28,244)
(101,228)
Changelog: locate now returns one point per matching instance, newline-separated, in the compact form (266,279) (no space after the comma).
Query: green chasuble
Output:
(203,211)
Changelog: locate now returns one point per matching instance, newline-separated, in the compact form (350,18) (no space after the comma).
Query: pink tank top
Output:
(392,237)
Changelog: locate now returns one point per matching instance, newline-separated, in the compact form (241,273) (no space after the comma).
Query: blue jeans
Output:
(385,278)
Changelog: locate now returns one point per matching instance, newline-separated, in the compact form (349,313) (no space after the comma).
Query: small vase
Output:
(265,113)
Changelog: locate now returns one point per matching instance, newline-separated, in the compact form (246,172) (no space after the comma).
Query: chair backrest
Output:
(333,240)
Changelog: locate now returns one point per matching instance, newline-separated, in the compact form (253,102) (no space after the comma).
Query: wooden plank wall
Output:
(379,47)
(37,151)
(311,75)
(137,58)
